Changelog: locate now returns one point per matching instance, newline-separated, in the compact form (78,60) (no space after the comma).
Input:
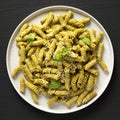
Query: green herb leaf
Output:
(64,51)
(54,84)
(31,37)
(87,41)
(60,55)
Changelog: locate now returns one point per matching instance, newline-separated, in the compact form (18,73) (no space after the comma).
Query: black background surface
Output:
(12,106)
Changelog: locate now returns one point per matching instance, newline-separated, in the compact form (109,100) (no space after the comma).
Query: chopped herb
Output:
(31,37)
(58,57)
(54,84)
(86,41)
(64,51)
(61,54)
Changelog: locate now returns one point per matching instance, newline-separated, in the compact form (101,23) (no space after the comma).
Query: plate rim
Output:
(35,13)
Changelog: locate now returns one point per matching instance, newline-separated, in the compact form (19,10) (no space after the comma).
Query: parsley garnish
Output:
(54,84)
(31,37)
(87,41)
(61,54)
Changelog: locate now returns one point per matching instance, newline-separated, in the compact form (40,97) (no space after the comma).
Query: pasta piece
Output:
(90,64)
(67,41)
(76,48)
(54,32)
(83,52)
(41,82)
(103,65)
(81,97)
(25,31)
(51,64)
(22,85)
(71,101)
(52,100)
(28,47)
(57,92)
(27,71)
(19,44)
(74,82)
(78,31)
(34,88)
(24,26)
(60,68)
(69,27)
(22,55)
(68,16)
(43,19)
(34,96)
(48,20)
(29,65)
(67,79)
(90,83)
(51,50)
(61,19)
(38,31)
(93,71)
(92,36)
(36,63)
(15,71)
(66,64)
(81,43)
(76,23)
(84,35)
(80,82)
(31,51)
(49,70)
(85,20)
(51,76)
(40,42)
(99,37)
(100,50)
(90,96)
(61,100)
(76,93)
(55,20)
(18,39)
(41,55)
(58,49)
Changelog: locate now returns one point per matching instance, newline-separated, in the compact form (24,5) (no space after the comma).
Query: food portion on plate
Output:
(58,59)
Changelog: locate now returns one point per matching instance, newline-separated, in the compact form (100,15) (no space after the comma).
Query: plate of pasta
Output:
(60,59)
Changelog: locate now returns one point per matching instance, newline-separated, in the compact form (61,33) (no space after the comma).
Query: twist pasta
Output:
(100,50)
(58,59)
(25,31)
(89,96)
(48,20)
(74,81)
(72,100)
(41,81)
(25,26)
(90,83)
(15,71)
(67,79)
(81,97)
(32,87)
(80,82)
(34,96)
(52,100)
(22,85)
(90,64)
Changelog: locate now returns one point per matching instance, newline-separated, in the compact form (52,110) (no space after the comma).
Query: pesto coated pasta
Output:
(58,58)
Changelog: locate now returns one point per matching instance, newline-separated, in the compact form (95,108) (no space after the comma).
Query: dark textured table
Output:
(12,106)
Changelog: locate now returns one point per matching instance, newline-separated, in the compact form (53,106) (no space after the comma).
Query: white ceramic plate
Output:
(108,56)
